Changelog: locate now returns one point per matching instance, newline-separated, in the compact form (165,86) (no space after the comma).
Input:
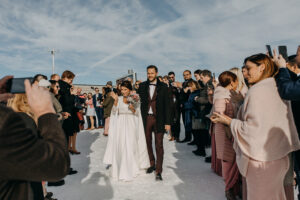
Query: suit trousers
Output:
(151,127)
(99,113)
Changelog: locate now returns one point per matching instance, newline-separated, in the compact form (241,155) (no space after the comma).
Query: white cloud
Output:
(100,40)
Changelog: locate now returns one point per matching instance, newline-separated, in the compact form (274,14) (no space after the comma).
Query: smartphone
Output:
(283,51)
(214,76)
(16,85)
(269,50)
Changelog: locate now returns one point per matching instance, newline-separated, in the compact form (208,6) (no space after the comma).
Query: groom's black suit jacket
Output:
(163,116)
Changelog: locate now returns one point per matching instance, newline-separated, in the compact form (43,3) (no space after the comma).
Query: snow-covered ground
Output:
(186,177)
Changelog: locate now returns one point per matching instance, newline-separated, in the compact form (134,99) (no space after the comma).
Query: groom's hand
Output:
(167,128)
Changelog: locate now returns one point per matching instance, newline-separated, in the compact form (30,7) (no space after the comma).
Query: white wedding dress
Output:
(126,149)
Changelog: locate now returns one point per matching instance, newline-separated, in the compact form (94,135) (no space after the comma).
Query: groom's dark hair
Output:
(127,84)
(152,67)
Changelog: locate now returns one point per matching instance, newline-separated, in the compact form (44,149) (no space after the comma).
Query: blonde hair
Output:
(19,103)
(238,72)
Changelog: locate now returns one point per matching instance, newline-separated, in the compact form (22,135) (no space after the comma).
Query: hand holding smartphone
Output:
(269,50)
(16,85)
(283,51)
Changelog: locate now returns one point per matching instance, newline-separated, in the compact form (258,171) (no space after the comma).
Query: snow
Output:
(185,176)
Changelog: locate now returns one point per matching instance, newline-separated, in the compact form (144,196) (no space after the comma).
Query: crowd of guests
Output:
(248,117)
(254,139)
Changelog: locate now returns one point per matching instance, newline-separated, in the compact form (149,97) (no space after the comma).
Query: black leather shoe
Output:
(199,153)
(208,159)
(71,172)
(58,183)
(150,170)
(158,177)
(49,195)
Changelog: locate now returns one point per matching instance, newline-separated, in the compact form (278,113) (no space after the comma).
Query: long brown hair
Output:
(270,68)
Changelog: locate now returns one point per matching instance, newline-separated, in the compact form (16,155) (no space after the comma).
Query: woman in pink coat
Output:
(264,132)
(224,142)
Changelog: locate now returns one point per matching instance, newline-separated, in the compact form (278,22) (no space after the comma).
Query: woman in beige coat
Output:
(264,132)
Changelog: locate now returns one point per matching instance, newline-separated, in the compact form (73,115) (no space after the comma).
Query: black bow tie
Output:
(152,84)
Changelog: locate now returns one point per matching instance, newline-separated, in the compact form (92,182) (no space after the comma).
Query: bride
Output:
(126,149)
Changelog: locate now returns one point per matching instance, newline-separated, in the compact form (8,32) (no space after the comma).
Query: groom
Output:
(155,108)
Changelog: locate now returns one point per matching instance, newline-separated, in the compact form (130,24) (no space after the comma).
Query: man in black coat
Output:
(25,157)
(175,106)
(184,96)
(288,83)
(155,110)
(98,108)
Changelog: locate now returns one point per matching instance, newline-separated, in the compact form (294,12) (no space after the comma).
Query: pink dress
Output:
(224,147)
(216,164)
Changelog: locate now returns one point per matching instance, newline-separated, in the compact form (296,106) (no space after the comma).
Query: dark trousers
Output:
(175,129)
(150,127)
(99,113)
(89,121)
(201,139)
(188,134)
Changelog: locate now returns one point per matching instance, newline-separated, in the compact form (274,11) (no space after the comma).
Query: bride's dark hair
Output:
(126,84)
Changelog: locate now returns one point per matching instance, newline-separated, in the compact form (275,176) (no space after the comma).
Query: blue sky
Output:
(100,40)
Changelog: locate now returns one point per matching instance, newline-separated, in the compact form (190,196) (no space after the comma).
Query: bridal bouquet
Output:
(134,99)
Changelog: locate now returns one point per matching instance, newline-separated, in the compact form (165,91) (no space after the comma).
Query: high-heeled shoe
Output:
(76,152)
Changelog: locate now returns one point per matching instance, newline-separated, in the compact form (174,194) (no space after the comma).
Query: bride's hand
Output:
(131,107)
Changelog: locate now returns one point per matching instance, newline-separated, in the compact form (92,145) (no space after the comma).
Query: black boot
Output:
(194,141)
(58,183)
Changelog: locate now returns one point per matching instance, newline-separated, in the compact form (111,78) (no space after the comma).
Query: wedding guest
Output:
(80,105)
(197,76)
(38,77)
(76,123)
(261,146)
(175,107)
(287,77)
(172,105)
(245,75)
(242,86)
(46,156)
(203,139)
(216,164)
(184,96)
(107,106)
(109,84)
(90,113)
(54,91)
(224,142)
(192,112)
(68,104)
(55,77)
(98,107)
(19,103)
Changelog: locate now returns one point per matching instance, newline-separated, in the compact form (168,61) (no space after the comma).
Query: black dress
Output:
(71,124)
